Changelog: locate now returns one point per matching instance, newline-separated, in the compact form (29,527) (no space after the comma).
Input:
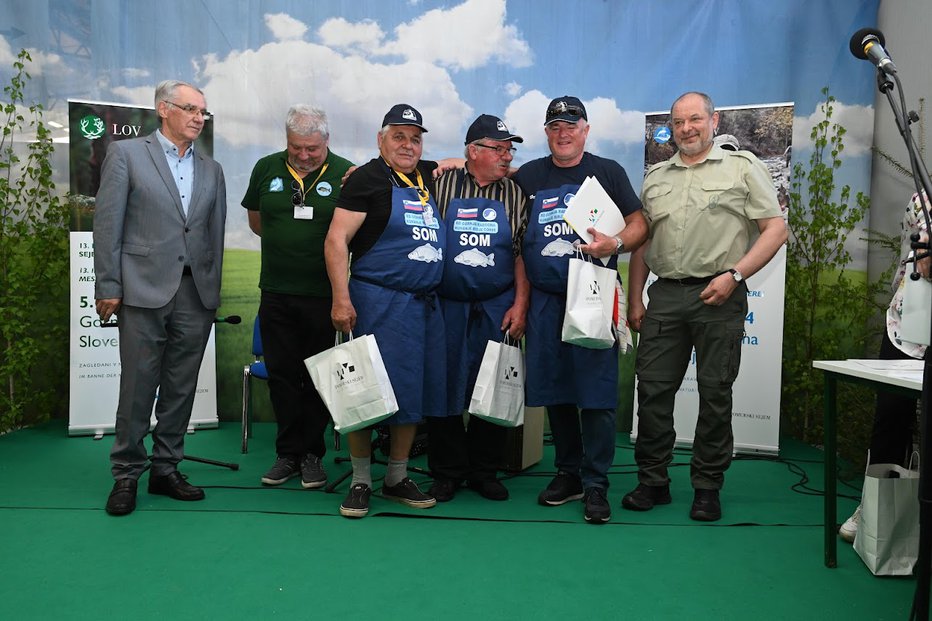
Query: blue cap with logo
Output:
(403,114)
(565,108)
(491,127)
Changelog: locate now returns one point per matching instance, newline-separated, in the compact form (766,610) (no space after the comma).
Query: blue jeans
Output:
(583,442)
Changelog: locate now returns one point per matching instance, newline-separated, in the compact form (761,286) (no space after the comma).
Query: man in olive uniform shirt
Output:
(701,205)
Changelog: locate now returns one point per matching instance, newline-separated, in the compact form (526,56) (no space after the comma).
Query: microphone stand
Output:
(923,569)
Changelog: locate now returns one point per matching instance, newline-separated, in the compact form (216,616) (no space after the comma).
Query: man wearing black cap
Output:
(484,292)
(579,386)
(387,218)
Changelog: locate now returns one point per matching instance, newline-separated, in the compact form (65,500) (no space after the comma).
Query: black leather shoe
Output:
(490,488)
(122,500)
(443,489)
(175,486)
(644,497)
(706,506)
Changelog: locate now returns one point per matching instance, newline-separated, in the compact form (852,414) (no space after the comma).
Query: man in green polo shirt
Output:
(702,206)
(290,198)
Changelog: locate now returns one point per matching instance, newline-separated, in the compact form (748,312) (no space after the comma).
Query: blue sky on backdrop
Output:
(452,60)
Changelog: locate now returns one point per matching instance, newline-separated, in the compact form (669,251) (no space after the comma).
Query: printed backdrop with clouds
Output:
(452,61)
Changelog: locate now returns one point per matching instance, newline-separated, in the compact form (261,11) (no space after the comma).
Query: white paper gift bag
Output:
(590,302)
(498,396)
(353,383)
(888,529)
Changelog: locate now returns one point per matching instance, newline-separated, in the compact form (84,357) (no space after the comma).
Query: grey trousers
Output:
(675,322)
(160,350)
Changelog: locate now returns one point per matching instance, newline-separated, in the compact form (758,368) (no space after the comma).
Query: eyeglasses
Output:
(191,109)
(561,107)
(297,195)
(501,151)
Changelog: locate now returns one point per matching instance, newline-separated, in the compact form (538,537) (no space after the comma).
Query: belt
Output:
(693,280)
(186,271)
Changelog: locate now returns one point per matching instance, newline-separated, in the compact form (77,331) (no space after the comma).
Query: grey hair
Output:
(706,100)
(165,91)
(305,120)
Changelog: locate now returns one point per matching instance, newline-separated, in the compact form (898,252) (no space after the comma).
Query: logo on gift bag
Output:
(594,287)
(511,373)
(344,369)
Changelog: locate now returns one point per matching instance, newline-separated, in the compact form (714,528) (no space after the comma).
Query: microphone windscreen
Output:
(856,45)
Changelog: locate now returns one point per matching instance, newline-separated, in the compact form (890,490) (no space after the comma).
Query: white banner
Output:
(95,357)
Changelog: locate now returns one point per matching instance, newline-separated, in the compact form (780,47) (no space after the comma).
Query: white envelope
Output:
(593,207)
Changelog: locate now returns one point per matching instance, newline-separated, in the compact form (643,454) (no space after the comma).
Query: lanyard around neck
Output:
(422,193)
(300,179)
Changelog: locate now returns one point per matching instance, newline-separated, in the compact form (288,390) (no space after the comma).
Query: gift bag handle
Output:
(507,339)
(338,338)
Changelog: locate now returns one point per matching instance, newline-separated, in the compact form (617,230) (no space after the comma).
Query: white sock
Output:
(362,470)
(397,472)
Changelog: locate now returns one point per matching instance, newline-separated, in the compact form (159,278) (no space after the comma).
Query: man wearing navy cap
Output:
(579,386)
(387,218)
(484,293)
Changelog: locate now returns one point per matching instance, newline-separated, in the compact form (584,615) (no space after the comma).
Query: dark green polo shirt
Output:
(293,249)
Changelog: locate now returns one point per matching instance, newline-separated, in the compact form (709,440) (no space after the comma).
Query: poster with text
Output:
(94,348)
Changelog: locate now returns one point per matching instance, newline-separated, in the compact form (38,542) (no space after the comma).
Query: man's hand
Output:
(349,171)
(601,246)
(447,164)
(343,316)
(636,313)
(719,289)
(515,322)
(107,307)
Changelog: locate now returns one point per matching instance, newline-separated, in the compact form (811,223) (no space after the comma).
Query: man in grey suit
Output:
(158,248)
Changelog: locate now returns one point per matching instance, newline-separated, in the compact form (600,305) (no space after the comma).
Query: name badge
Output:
(303,212)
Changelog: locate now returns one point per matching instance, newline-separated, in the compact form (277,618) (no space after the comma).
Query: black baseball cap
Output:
(403,114)
(491,127)
(565,108)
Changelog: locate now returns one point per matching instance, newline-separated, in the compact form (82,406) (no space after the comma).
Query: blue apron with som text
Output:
(476,291)
(557,372)
(393,291)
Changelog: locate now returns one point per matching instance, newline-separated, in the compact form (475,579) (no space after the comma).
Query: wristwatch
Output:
(619,245)
(736,275)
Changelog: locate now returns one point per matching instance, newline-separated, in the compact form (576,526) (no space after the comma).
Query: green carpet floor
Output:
(249,552)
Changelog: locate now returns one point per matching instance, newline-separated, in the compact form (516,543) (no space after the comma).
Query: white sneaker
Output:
(849,529)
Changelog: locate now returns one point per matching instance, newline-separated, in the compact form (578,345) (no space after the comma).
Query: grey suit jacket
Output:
(142,239)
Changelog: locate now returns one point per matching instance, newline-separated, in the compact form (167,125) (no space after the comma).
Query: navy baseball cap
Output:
(403,114)
(491,127)
(565,108)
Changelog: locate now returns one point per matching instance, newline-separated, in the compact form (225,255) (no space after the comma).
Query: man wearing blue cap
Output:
(387,218)
(484,293)
(579,386)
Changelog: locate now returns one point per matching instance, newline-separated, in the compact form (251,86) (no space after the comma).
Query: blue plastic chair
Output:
(255,369)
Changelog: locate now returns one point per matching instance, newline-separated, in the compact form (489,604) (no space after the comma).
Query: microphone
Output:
(867,44)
